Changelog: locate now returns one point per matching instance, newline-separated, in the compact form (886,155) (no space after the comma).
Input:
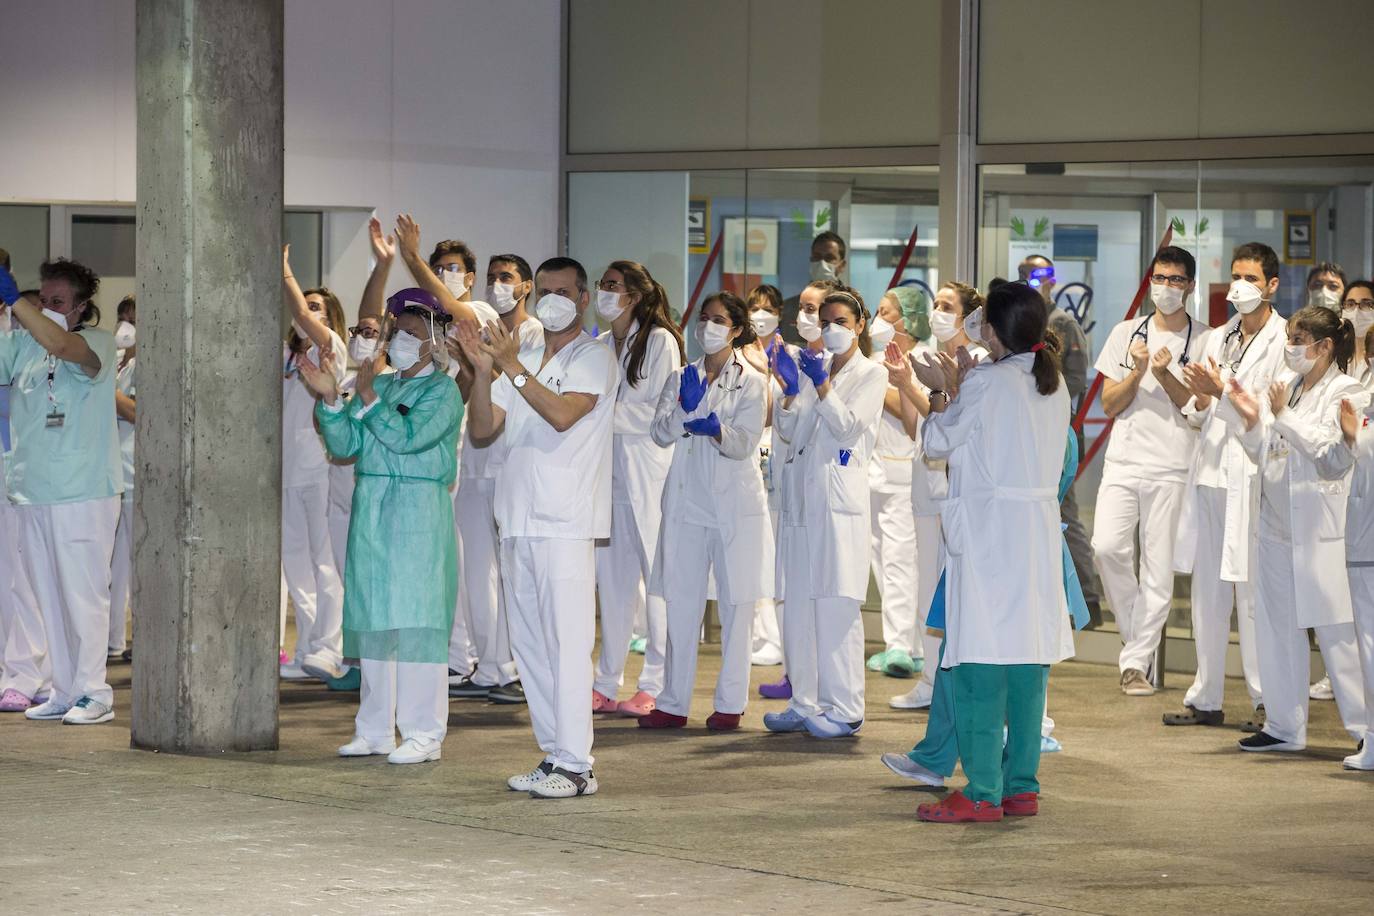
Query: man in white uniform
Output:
(553,499)
(1149,455)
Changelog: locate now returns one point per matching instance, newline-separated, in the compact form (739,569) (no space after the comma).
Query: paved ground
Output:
(1136,819)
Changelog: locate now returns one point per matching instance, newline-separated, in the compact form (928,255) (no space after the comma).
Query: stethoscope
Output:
(1142,333)
(1236,334)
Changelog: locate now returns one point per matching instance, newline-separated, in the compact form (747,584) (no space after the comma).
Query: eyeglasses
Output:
(368,333)
(1174,280)
(1358,304)
(611,286)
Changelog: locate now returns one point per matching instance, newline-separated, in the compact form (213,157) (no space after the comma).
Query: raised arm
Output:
(408,241)
(294,300)
(485,418)
(383,254)
(66,345)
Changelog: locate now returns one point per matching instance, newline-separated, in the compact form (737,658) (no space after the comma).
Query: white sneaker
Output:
(361,747)
(907,768)
(49,711)
(766,657)
(1321,690)
(293,672)
(918,697)
(526,781)
(563,783)
(321,668)
(1363,759)
(416,750)
(87,711)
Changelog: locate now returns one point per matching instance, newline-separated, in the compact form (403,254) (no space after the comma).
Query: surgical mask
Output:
(765,322)
(457,282)
(1245,296)
(1362,319)
(556,313)
(362,349)
(60,318)
(1167,299)
(837,339)
(823,270)
(501,296)
(881,332)
(404,351)
(712,337)
(809,326)
(944,325)
(1326,298)
(124,336)
(1295,357)
(608,304)
(973,326)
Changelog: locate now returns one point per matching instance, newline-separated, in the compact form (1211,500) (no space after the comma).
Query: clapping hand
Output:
(1203,381)
(1278,398)
(1351,422)
(813,366)
(1159,363)
(320,379)
(937,371)
(1140,356)
(407,235)
(785,368)
(477,351)
(383,247)
(691,389)
(1245,404)
(899,374)
(708,425)
(964,363)
(368,370)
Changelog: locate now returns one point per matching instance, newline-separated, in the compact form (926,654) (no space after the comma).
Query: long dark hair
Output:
(651,311)
(1323,324)
(739,316)
(1017,315)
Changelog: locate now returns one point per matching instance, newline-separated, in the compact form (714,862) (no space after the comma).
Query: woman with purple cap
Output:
(402,574)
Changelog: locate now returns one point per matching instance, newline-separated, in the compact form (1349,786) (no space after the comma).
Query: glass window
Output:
(24,234)
(303,230)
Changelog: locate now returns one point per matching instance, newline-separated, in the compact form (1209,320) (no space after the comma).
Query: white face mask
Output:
(456,281)
(973,326)
(1167,299)
(556,313)
(823,270)
(765,322)
(60,318)
(404,351)
(501,296)
(1362,319)
(1326,298)
(1296,357)
(837,339)
(881,332)
(1245,296)
(608,305)
(361,349)
(712,337)
(809,326)
(944,325)
(124,336)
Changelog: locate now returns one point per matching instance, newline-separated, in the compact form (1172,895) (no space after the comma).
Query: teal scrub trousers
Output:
(938,751)
(985,698)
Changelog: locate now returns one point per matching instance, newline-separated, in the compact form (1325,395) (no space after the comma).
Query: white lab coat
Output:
(1221,460)
(729,468)
(1005,588)
(819,493)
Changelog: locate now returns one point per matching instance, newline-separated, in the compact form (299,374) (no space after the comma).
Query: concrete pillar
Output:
(958,136)
(208,503)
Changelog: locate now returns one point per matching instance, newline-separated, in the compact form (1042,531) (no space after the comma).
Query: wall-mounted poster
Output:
(1297,236)
(751,246)
(699,225)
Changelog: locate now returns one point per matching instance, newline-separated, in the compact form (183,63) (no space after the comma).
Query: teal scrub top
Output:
(64,447)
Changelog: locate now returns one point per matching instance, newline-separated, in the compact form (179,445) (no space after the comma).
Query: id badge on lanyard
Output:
(56,418)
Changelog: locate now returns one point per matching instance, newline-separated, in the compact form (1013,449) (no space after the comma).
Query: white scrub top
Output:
(889,471)
(1151,438)
(124,384)
(485,463)
(558,485)
(303,461)
(65,447)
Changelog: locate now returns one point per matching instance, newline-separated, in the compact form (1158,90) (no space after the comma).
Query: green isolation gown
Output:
(401,579)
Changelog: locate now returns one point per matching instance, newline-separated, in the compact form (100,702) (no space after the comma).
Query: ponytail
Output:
(1018,318)
(1321,323)
(1345,346)
(1046,366)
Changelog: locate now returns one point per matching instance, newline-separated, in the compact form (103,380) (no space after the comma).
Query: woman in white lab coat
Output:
(1293,433)
(649,349)
(954,304)
(1002,429)
(308,569)
(1359,544)
(715,513)
(765,314)
(828,418)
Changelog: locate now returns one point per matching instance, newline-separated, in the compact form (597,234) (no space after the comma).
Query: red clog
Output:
(956,808)
(1023,804)
(660,719)
(723,721)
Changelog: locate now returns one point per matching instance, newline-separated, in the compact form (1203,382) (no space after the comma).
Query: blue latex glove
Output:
(813,364)
(708,425)
(691,389)
(785,368)
(9,290)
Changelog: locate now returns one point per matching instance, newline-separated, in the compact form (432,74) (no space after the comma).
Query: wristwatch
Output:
(520,380)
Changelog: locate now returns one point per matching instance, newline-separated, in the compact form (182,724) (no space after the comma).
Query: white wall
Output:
(449,111)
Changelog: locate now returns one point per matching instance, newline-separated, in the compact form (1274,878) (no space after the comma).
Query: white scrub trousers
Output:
(307,562)
(893,548)
(67,549)
(1141,606)
(479,585)
(1212,600)
(410,696)
(1285,659)
(339,513)
(550,590)
(701,549)
(823,639)
(1362,596)
(622,570)
(768,611)
(121,573)
(24,664)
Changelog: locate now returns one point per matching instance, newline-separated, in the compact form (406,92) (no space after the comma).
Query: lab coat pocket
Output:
(555,490)
(847,488)
(1333,497)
